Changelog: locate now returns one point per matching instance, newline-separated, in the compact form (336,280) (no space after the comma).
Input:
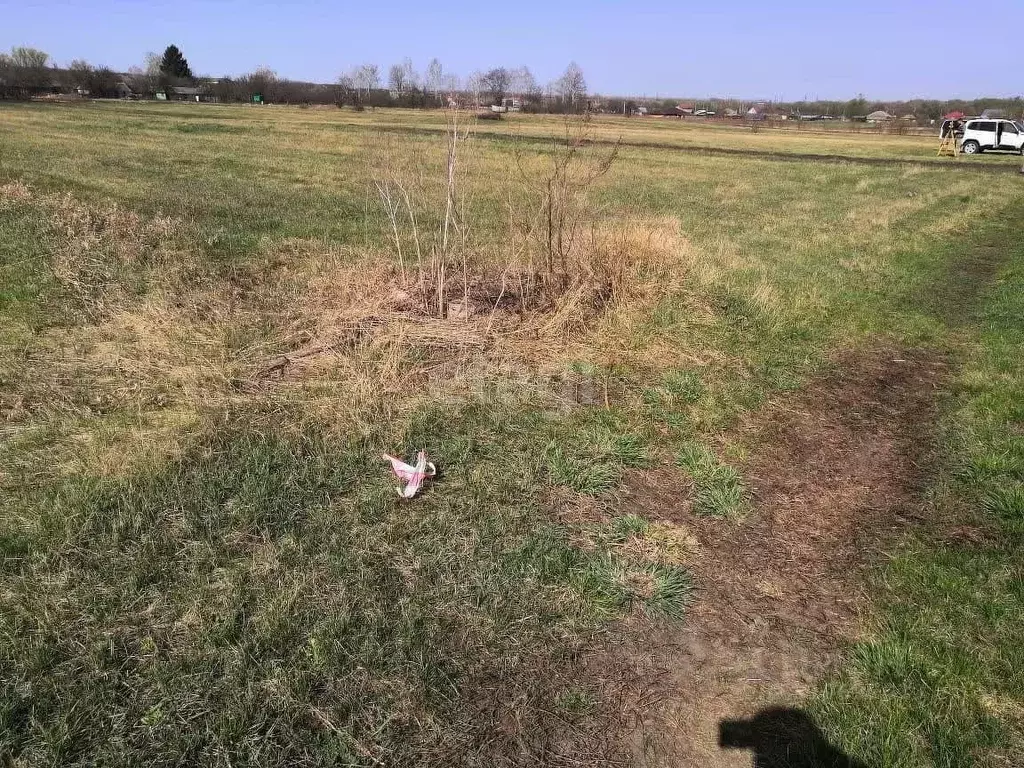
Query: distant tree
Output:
(931,109)
(402,77)
(103,83)
(7,85)
(348,93)
(435,77)
(174,64)
(263,80)
(365,78)
(29,58)
(265,74)
(226,89)
(80,74)
(572,85)
(27,68)
(523,84)
(474,84)
(496,83)
(143,79)
(151,64)
(450,82)
(396,79)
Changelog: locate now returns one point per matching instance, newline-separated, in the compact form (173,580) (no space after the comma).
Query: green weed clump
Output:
(590,459)
(719,490)
(658,590)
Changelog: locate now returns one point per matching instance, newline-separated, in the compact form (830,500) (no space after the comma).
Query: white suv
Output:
(980,135)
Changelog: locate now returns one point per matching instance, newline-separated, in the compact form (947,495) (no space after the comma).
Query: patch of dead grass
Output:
(336,329)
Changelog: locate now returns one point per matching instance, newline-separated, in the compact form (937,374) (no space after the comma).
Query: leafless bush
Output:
(440,239)
(554,249)
(556,258)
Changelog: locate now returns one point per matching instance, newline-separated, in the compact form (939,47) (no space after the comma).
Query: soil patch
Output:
(836,473)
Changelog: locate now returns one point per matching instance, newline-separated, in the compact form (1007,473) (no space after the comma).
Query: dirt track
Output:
(836,476)
(757,154)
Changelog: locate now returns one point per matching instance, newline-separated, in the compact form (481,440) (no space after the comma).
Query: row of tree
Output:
(923,109)
(493,85)
(27,71)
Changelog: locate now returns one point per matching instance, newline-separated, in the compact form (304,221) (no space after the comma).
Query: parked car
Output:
(981,135)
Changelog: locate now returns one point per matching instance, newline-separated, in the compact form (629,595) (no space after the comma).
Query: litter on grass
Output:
(413,476)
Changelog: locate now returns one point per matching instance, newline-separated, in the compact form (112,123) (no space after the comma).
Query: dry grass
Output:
(103,252)
(338,328)
(369,336)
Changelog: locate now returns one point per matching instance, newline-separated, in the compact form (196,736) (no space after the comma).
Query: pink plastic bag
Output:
(413,476)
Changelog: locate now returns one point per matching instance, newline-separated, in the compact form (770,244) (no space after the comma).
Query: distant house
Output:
(879,116)
(685,109)
(756,112)
(124,91)
(730,112)
(184,93)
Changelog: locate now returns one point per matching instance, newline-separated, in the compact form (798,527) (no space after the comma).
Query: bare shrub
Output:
(569,257)
(552,255)
(439,235)
(444,306)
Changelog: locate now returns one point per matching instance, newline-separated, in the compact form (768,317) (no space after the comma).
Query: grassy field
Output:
(204,560)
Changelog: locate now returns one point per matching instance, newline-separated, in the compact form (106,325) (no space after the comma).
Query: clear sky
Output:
(777,49)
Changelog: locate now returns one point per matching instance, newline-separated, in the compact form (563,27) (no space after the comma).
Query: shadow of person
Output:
(782,737)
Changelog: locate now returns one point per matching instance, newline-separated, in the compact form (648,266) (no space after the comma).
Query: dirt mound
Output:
(835,472)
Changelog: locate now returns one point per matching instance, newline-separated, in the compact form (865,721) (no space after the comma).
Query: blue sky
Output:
(781,49)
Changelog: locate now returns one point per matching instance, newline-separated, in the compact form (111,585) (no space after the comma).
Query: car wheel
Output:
(970,148)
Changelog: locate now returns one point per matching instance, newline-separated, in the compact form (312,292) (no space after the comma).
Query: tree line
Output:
(27,72)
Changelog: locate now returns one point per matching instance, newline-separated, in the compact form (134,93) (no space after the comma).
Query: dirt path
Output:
(944,164)
(836,474)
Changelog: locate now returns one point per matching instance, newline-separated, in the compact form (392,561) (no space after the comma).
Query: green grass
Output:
(26,285)
(269,575)
(718,488)
(201,566)
(940,679)
(592,450)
